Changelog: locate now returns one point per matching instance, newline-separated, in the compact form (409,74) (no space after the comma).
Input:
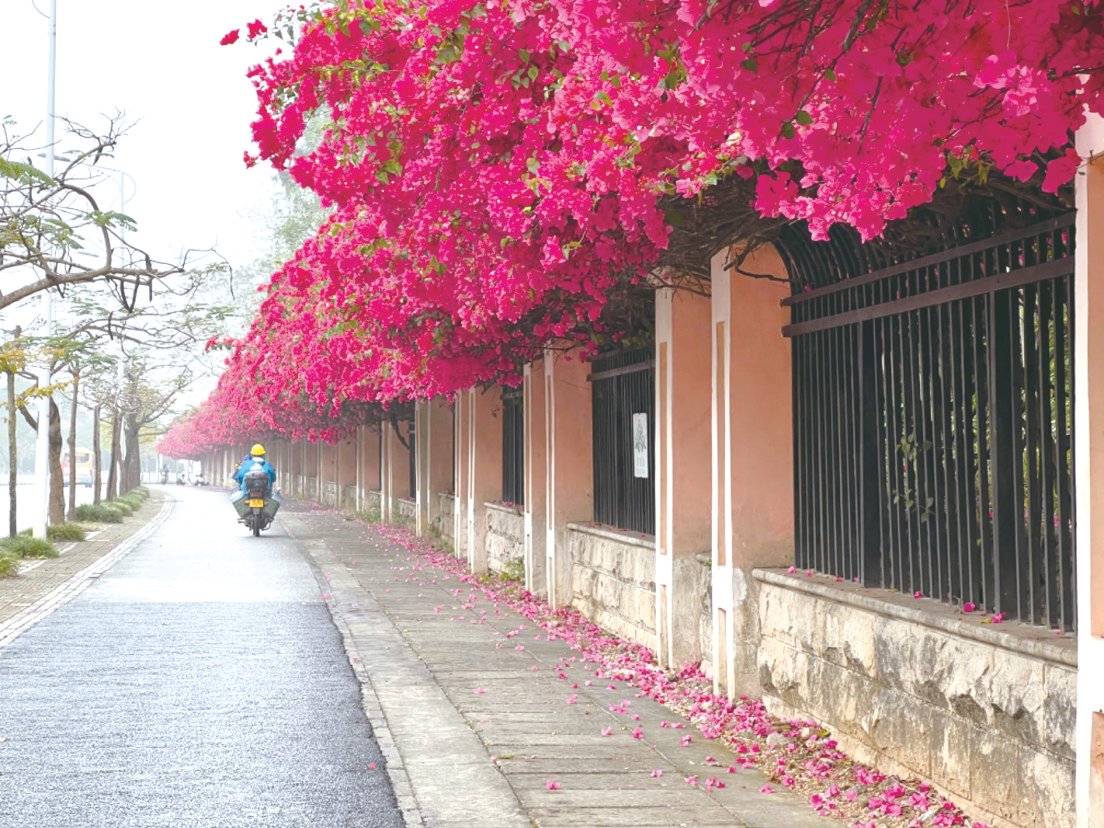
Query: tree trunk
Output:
(113,474)
(72,513)
(97,456)
(13,458)
(57,488)
(132,464)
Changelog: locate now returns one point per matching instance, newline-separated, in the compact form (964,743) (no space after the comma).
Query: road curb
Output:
(19,623)
(337,596)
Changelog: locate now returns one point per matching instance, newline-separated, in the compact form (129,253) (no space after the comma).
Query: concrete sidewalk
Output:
(470,710)
(43,585)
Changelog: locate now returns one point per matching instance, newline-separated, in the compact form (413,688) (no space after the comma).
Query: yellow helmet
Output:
(257,450)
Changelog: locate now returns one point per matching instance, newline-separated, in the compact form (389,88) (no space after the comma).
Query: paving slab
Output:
(479,717)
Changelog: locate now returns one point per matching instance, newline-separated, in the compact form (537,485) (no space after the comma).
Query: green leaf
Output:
(829,75)
(804,118)
(750,65)
(788,130)
(23,173)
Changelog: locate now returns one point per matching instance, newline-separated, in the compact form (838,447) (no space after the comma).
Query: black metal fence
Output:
(933,425)
(513,446)
(623,398)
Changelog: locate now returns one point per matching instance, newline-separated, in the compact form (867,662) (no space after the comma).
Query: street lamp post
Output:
(42,444)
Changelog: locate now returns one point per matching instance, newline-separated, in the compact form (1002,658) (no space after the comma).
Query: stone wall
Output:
(444,523)
(705,620)
(370,504)
(986,712)
(505,539)
(613,581)
(329,493)
(348,498)
(406,513)
(306,487)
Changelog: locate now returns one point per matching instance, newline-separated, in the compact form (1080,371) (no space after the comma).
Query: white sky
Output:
(162,65)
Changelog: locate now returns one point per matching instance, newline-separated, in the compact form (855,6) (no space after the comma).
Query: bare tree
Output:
(45,221)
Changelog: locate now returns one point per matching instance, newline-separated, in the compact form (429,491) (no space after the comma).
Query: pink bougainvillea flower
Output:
(691,780)
(551,785)
(657,773)
(479,691)
(256,29)
(969,606)
(766,789)
(918,594)
(607,731)
(230,37)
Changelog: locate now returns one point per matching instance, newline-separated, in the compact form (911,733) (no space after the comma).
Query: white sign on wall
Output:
(640,445)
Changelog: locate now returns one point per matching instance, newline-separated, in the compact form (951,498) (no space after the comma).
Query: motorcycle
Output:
(256,502)
(200,480)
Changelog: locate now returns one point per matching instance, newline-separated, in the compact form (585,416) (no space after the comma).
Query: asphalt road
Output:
(200,682)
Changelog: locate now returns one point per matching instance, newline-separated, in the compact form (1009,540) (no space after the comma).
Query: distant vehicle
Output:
(83,466)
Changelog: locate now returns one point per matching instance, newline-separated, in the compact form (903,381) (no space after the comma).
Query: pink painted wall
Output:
(761,419)
(570,469)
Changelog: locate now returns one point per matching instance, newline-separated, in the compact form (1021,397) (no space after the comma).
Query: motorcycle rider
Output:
(256,456)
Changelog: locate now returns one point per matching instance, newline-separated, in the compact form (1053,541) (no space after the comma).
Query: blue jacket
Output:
(248,464)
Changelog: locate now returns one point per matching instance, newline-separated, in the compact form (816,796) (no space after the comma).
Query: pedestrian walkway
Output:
(487,722)
(43,585)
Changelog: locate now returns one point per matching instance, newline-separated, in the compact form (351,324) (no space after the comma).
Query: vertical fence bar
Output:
(1033,431)
(1002,414)
(1050,352)
(1064,322)
(868,431)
